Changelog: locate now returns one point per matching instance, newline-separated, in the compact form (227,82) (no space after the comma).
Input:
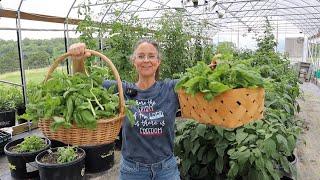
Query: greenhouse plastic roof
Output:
(300,16)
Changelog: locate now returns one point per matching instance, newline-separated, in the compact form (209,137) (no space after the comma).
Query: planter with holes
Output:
(230,109)
(99,158)
(22,165)
(51,169)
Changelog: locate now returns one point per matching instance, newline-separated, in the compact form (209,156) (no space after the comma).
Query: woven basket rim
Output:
(99,121)
(182,90)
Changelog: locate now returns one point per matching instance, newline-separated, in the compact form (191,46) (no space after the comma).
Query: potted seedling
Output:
(19,106)
(7,107)
(23,151)
(62,163)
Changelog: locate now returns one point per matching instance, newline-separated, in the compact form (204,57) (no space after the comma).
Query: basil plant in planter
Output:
(62,163)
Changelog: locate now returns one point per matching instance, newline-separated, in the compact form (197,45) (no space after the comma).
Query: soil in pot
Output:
(99,158)
(55,165)
(21,164)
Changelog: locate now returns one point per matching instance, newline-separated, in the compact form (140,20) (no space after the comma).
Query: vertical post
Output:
(66,43)
(238,37)
(100,45)
(21,58)
(277,34)
(317,54)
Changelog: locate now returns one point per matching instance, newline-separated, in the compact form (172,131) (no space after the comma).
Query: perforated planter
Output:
(230,109)
(74,170)
(99,158)
(18,161)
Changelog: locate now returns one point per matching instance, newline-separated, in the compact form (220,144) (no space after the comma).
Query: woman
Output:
(147,147)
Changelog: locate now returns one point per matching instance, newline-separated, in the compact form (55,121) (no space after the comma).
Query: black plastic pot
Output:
(74,170)
(21,110)
(292,160)
(55,143)
(7,118)
(99,158)
(18,161)
(286,178)
(4,139)
(118,141)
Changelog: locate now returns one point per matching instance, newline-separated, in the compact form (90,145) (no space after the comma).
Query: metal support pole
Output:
(238,43)
(21,58)
(100,46)
(66,43)
(66,35)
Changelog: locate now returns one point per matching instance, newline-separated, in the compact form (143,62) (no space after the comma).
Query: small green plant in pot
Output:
(7,106)
(22,151)
(62,163)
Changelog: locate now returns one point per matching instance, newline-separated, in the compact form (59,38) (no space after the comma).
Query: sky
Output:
(61,7)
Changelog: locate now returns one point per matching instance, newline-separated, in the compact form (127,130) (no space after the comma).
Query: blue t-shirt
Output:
(151,139)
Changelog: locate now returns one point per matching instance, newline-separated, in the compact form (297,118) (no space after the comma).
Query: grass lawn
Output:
(32,75)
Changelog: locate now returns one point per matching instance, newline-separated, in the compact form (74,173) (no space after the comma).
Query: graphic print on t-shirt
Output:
(149,121)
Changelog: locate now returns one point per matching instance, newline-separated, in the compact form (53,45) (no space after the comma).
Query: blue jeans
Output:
(163,170)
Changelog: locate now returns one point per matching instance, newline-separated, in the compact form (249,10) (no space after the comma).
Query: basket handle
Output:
(104,58)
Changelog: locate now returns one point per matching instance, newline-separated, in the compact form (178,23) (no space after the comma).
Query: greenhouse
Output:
(159,89)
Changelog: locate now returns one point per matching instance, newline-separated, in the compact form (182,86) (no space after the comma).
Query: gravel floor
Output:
(308,147)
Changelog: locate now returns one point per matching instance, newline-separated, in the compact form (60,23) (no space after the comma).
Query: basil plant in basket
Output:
(78,99)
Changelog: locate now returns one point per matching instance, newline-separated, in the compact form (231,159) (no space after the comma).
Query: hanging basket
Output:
(230,109)
(107,129)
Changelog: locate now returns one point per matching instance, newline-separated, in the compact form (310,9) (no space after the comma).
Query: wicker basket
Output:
(107,129)
(230,109)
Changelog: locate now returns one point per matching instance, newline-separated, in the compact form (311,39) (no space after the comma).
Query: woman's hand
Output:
(78,51)
(214,61)
(78,54)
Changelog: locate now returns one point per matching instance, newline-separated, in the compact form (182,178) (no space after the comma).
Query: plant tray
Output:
(4,139)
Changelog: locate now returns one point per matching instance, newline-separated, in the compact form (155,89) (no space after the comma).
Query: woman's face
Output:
(146,60)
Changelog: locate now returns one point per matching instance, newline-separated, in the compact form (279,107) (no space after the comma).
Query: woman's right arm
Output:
(78,55)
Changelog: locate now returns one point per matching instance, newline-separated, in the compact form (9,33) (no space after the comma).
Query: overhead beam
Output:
(32,29)
(37,17)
